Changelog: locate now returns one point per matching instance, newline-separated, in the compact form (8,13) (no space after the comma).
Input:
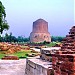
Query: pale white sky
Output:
(22,13)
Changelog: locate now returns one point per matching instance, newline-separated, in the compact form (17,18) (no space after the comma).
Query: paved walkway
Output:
(12,67)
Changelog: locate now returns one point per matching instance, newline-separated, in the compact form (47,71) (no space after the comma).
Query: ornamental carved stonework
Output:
(40,31)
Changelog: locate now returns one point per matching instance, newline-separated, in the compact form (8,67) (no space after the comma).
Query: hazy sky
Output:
(22,13)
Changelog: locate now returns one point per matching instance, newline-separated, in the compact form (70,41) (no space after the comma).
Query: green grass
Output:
(22,54)
(2,55)
(51,44)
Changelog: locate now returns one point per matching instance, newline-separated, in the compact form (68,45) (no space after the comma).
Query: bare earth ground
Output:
(12,67)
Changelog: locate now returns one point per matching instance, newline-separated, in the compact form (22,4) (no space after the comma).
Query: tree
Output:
(3,23)
(57,38)
(6,38)
(23,39)
(9,38)
(1,39)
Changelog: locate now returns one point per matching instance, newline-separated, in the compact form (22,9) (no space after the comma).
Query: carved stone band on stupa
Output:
(40,31)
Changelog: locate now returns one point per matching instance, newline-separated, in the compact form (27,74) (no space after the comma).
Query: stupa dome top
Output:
(40,21)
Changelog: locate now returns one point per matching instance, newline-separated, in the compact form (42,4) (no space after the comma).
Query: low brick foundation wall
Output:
(10,58)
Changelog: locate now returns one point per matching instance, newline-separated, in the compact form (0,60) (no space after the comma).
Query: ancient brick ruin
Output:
(64,60)
(10,57)
(41,65)
(69,41)
(40,31)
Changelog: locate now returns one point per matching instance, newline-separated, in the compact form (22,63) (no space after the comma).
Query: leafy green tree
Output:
(3,23)
(57,38)
(6,38)
(10,38)
(1,39)
(60,38)
(54,38)
(26,39)
(22,39)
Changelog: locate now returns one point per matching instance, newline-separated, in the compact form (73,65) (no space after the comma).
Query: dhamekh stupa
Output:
(40,31)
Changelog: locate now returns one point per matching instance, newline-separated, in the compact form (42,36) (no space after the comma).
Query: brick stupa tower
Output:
(40,31)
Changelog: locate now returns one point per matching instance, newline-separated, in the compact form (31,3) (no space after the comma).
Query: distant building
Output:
(40,31)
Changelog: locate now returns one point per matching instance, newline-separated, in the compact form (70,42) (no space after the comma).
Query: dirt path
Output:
(12,67)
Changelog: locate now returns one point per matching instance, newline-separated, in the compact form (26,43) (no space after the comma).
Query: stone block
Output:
(39,68)
(27,66)
(32,69)
(31,64)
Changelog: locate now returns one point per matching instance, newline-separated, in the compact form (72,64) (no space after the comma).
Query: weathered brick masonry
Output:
(40,31)
(63,61)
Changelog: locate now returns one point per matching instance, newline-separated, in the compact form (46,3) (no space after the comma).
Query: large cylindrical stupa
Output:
(40,31)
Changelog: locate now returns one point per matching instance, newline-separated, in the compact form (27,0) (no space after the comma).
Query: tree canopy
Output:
(57,38)
(3,23)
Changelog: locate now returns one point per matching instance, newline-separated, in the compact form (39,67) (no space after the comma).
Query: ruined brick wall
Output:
(69,41)
(63,61)
(40,31)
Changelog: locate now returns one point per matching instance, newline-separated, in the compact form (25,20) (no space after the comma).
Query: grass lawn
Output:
(2,55)
(51,44)
(22,54)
